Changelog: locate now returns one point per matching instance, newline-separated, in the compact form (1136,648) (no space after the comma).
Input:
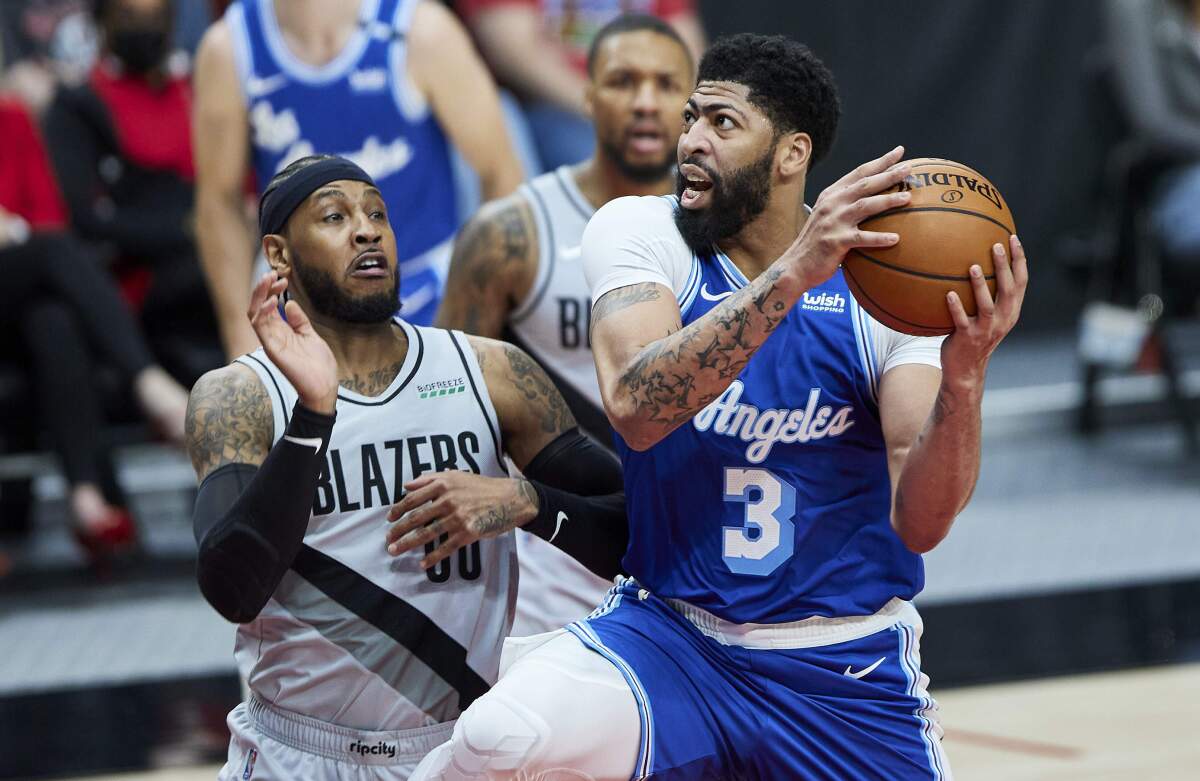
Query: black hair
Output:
(632,23)
(288,171)
(787,82)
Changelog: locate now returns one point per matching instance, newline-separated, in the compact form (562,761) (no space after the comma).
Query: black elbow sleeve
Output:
(250,523)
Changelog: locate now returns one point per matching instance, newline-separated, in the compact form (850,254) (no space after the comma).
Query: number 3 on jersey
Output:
(766,537)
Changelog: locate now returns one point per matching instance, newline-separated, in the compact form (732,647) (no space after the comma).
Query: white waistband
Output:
(363,747)
(808,633)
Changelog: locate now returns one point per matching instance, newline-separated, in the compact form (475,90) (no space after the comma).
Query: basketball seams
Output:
(859,290)
(912,209)
(914,272)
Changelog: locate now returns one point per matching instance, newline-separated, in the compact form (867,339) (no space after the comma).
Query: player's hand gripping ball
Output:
(953,220)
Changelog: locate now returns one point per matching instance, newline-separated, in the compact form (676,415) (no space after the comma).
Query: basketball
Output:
(951,223)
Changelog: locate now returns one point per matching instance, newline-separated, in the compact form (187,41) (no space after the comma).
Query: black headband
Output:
(278,204)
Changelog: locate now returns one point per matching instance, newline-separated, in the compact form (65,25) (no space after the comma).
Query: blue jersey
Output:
(362,107)
(773,503)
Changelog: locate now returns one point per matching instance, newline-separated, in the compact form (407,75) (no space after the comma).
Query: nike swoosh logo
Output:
(313,442)
(558,522)
(569,253)
(257,87)
(710,297)
(865,672)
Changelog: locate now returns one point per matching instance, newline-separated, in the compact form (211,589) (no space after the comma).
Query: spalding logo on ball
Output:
(951,223)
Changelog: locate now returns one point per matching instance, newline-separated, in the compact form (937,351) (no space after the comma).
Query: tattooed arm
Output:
(655,374)
(491,269)
(229,420)
(573,495)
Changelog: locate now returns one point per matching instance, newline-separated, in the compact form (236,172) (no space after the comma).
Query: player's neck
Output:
(363,349)
(759,244)
(601,181)
(316,31)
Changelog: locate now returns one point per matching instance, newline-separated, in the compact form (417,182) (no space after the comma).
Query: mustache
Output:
(712,175)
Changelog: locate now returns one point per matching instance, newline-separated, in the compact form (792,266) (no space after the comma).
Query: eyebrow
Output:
(712,107)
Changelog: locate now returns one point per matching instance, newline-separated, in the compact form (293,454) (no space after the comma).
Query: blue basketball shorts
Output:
(814,700)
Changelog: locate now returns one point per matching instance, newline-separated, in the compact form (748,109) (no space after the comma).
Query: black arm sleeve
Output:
(581,502)
(249,522)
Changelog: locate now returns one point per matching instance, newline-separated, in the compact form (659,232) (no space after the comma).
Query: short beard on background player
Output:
(327,298)
(638,173)
(736,200)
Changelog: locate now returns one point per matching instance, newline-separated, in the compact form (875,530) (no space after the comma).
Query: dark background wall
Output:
(996,85)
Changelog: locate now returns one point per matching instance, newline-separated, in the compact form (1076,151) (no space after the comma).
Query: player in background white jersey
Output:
(517,273)
(362,643)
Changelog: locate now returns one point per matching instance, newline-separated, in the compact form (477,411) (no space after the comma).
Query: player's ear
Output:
(275,249)
(795,150)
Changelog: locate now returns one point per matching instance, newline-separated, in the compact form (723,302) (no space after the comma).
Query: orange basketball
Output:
(951,223)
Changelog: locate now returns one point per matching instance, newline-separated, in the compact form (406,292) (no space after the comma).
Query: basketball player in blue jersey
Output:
(787,459)
(517,273)
(390,84)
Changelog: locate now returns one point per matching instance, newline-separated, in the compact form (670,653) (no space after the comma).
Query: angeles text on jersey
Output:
(763,428)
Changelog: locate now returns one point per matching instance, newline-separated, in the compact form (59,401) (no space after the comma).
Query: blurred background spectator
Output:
(1154,46)
(538,50)
(58,312)
(392,84)
(121,146)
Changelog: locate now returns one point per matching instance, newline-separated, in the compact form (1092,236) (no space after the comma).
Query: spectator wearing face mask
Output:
(121,146)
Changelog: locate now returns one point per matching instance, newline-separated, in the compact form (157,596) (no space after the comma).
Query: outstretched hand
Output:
(293,345)
(966,351)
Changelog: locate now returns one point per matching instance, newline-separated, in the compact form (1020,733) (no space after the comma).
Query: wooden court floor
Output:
(1139,725)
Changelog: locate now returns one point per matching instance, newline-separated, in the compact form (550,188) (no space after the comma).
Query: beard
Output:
(736,200)
(639,173)
(331,301)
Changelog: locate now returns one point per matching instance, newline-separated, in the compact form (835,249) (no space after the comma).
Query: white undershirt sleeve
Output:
(893,348)
(631,241)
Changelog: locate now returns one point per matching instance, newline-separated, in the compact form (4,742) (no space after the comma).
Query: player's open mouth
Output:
(647,139)
(695,184)
(372,264)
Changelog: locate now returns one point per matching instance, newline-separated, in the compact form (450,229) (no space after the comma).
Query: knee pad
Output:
(496,739)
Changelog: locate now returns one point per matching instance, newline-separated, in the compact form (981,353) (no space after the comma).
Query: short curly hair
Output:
(787,82)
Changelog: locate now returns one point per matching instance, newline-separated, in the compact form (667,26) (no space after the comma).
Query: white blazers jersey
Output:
(551,324)
(356,637)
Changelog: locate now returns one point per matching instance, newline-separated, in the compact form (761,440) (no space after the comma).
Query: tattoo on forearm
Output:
(531,381)
(229,421)
(504,517)
(375,382)
(675,377)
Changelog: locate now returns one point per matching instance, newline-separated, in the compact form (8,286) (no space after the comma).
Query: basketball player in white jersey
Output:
(516,270)
(361,645)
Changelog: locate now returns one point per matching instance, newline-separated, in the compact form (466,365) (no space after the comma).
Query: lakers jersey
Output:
(361,106)
(551,324)
(356,637)
(773,503)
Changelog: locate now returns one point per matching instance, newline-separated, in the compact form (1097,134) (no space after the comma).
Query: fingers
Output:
(875,166)
(1020,267)
(429,528)
(863,238)
(417,493)
(884,180)
(877,204)
(985,307)
(296,317)
(957,313)
(445,550)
